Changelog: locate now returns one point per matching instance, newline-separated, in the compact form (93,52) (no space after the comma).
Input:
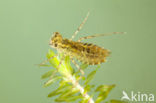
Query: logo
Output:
(137,97)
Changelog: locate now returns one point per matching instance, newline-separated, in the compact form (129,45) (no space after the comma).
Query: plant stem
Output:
(80,88)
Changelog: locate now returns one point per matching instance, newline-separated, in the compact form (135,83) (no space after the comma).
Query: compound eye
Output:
(55,45)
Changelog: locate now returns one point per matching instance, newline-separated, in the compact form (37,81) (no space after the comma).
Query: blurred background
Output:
(27,25)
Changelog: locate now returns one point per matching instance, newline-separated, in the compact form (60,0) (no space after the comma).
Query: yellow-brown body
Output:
(84,52)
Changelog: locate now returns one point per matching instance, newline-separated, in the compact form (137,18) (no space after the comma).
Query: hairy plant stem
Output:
(80,88)
(66,72)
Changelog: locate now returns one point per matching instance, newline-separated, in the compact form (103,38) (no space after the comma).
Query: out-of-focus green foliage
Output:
(103,92)
(70,89)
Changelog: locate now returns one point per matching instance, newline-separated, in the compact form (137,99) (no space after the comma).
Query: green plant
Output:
(70,89)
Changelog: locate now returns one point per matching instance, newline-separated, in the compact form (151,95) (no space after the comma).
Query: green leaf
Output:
(51,80)
(53,61)
(88,88)
(48,74)
(63,87)
(67,63)
(73,98)
(90,77)
(60,100)
(69,92)
(83,66)
(67,99)
(54,93)
(103,90)
(59,90)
